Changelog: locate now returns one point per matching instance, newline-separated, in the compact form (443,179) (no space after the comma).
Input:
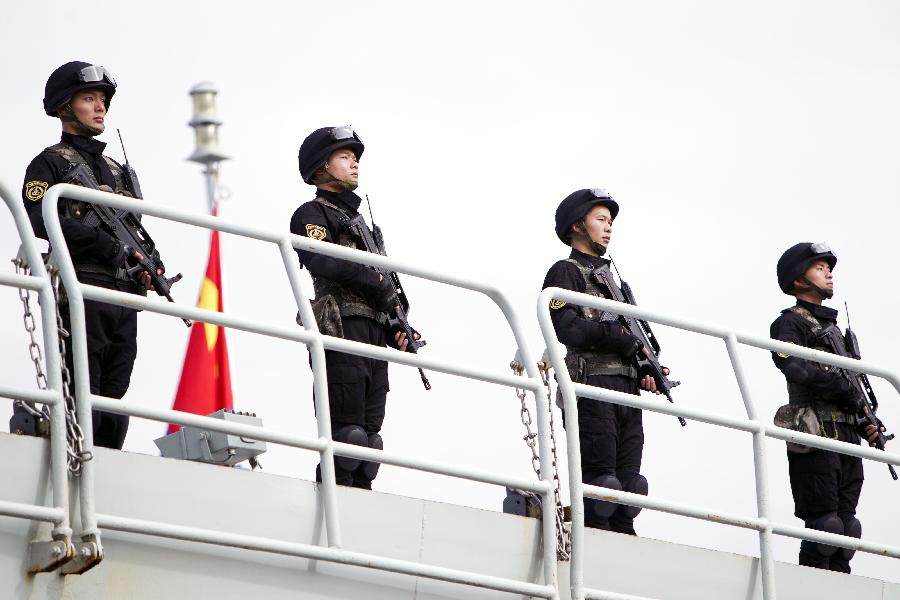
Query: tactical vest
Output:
(350,303)
(800,394)
(74,209)
(584,363)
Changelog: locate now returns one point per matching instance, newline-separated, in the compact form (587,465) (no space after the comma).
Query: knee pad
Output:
(636,485)
(602,508)
(370,469)
(351,434)
(852,528)
(829,523)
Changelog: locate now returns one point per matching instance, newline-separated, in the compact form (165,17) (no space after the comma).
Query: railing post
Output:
(573,447)
(767,563)
(90,533)
(320,394)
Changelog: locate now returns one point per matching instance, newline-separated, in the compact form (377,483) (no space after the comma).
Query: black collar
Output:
(819,311)
(587,260)
(84,144)
(345,199)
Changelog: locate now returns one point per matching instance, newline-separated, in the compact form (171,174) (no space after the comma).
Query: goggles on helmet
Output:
(820,248)
(94,74)
(600,194)
(344,133)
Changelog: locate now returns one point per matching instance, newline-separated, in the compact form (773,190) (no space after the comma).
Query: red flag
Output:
(205,385)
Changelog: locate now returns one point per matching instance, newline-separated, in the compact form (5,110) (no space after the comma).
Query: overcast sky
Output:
(726,131)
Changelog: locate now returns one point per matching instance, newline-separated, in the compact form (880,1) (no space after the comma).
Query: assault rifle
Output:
(848,347)
(126,227)
(397,317)
(648,357)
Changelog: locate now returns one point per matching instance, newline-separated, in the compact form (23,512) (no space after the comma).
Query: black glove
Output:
(122,255)
(384,299)
(633,349)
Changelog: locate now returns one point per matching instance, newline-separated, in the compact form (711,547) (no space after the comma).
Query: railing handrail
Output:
(316,342)
(752,424)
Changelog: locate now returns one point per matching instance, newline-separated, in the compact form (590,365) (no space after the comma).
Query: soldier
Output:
(357,386)
(611,435)
(825,485)
(79,94)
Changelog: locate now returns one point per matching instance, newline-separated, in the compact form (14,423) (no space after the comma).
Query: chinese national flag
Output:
(205,385)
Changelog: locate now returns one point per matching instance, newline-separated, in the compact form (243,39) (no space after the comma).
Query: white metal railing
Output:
(759,429)
(323,444)
(59,513)
(43,555)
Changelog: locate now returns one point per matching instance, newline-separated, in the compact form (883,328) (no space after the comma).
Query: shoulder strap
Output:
(332,206)
(807,316)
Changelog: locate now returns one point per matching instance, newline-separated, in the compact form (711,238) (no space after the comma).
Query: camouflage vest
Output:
(350,303)
(800,395)
(74,209)
(584,363)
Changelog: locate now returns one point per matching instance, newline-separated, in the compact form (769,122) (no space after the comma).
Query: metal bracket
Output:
(88,554)
(44,557)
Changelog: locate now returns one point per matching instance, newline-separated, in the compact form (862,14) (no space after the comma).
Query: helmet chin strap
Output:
(68,115)
(825,293)
(599,249)
(348,184)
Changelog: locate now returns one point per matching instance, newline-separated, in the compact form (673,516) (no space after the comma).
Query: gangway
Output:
(139,522)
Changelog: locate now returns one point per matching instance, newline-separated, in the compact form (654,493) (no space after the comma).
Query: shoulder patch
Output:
(34,190)
(557,304)
(783,355)
(316,232)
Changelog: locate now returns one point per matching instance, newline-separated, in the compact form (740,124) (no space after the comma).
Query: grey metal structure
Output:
(518,555)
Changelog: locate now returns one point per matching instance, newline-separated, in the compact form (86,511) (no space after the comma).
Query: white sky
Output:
(726,131)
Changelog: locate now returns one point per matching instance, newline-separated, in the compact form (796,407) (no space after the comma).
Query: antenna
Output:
(121,143)
(371,216)
(847,312)
(619,275)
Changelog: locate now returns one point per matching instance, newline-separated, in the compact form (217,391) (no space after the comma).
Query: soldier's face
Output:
(343,166)
(89,107)
(819,273)
(598,225)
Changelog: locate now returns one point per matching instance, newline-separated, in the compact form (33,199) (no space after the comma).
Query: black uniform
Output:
(825,485)
(357,386)
(98,258)
(611,435)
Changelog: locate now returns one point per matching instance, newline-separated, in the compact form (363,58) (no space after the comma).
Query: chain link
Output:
(34,349)
(75,453)
(74,434)
(563,539)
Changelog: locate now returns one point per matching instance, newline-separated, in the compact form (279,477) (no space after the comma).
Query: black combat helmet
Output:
(798,258)
(319,145)
(576,205)
(73,77)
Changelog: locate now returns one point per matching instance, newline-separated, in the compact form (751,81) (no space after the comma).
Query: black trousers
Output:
(612,443)
(112,347)
(357,390)
(825,482)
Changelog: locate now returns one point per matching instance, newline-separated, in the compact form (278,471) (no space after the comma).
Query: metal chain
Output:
(563,539)
(75,453)
(74,435)
(34,349)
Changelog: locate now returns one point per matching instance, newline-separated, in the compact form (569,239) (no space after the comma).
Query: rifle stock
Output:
(648,362)
(848,347)
(126,227)
(398,319)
